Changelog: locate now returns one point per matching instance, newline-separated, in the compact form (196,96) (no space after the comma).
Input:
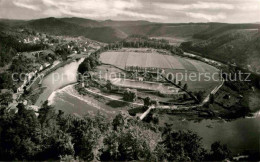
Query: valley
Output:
(137,71)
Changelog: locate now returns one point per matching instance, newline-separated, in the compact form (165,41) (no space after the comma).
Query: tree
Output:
(84,137)
(174,81)
(129,95)
(118,121)
(18,138)
(62,51)
(147,102)
(218,152)
(186,45)
(6,80)
(127,145)
(5,98)
(109,85)
(199,96)
(211,98)
(84,66)
(180,146)
(185,96)
(185,87)
(155,119)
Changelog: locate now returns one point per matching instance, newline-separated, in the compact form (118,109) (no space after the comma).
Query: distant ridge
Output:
(110,31)
(82,22)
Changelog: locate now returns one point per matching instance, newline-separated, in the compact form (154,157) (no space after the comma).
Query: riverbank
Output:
(240,135)
(69,100)
(64,74)
(233,132)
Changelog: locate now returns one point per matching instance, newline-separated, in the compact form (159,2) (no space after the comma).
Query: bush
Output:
(129,96)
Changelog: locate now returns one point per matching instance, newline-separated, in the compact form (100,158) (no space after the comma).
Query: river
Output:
(57,79)
(240,135)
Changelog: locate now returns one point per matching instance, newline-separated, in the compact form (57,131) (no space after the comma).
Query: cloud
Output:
(151,10)
(26,4)
(206,16)
(248,7)
(98,8)
(197,5)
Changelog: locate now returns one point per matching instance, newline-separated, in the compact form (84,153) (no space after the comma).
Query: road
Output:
(146,112)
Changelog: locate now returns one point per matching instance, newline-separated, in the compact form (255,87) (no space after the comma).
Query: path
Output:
(112,98)
(190,94)
(214,91)
(146,112)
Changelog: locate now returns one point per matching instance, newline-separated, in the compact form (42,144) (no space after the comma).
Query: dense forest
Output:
(9,46)
(236,46)
(50,135)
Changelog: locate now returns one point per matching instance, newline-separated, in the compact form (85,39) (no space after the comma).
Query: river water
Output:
(57,79)
(240,135)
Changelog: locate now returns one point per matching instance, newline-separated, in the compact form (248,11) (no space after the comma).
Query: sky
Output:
(170,11)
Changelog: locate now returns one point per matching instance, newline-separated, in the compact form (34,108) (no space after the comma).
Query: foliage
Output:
(62,51)
(88,64)
(55,135)
(199,95)
(25,136)
(180,146)
(6,80)
(227,44)
(10,45)
(109,85)
(125,146)
(211,98)
(129,96)
(147,102)
(218,152)
(185,87)
(21,65)
(5,98)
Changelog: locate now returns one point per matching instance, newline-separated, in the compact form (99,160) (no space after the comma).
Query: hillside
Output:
(72,27)
(82,22)
(215,29)
(113,23)
(234,44)
(107,31)
(165,30)
(110,31)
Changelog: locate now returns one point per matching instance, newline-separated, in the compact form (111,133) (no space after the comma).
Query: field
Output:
(174,40)
(179,67)
(153,59)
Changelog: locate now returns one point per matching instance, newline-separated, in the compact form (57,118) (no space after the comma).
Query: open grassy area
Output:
(173,65)
(153,59)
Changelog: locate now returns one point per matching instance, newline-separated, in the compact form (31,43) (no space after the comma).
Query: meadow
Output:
(171,64)
(153,59)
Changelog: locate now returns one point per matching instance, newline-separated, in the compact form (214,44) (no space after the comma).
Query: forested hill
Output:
(9,46)
(75,27)
(236,44)
(110,31)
